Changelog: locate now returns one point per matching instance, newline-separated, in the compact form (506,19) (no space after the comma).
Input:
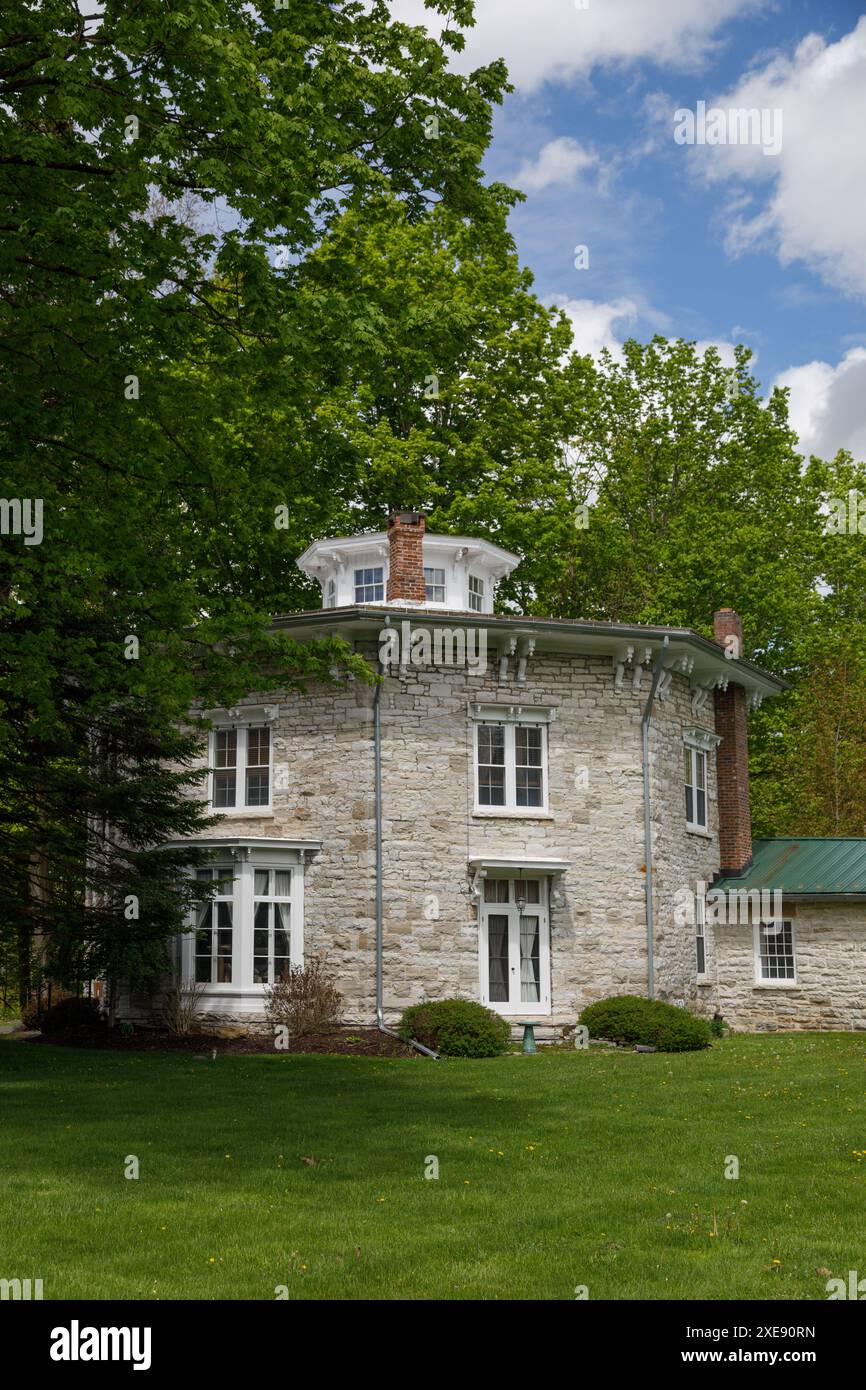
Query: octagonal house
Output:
(525,811)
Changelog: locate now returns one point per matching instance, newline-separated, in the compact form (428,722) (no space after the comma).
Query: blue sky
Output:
(715,243)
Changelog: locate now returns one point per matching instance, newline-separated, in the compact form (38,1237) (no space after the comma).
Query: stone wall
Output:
(830,959)
(323,789)
(323,750)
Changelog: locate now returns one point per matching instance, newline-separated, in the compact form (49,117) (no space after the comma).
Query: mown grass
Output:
(566,1169)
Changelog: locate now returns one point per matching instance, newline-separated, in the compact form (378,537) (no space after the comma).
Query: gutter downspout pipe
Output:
(377,763)
(647,825)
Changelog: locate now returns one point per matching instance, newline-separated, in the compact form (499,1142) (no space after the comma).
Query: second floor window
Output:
(476,594)
(511,770)
(434,585)
(241,767)
(696,787)
(370,585)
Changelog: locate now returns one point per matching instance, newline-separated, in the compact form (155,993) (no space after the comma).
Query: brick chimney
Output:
(406,564)
(732,755)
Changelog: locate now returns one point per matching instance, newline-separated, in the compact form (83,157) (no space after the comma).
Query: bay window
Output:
(251,931)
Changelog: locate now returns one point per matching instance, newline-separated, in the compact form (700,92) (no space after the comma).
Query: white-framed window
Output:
(434,584)
(370,584)
(272,924)
(214,930)
(244,938)
(476,593)
(510,766)
(331,595)
(775,962)
(700,937)
(514,945)
(241,760)
(696,786)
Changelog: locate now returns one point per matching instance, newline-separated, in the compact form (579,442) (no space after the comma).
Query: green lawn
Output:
(566,1169)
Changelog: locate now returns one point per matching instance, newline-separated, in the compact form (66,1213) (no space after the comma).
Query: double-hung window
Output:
(774,953)
(696,787)
(510,766)
(700,937)
(434,584)
(272,924)
(241,761)
(214,930)
(476,593)
(370,584)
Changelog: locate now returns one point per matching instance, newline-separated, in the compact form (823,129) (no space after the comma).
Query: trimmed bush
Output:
(72,1013)
(456,1028)
(630,1019)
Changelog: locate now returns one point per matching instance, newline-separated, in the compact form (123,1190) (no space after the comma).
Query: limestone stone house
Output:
(526,811)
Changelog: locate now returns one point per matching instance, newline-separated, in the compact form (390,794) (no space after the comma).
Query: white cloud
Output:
(828,404)
(559,161)
(808,203)
(597,324)
(554,40)
(725,351)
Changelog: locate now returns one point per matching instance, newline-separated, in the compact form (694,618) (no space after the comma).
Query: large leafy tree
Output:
(454,398)
(136,348)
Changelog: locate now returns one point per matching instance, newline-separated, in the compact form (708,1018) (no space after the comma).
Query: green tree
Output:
(135,349)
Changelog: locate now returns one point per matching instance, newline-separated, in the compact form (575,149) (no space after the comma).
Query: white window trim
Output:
(543,1008)
(695,752)
(359,569)
(263,809)
(245,861)
(473,598)
(766,982)
(431,584)
(509,807)
(226,894)
(296,944)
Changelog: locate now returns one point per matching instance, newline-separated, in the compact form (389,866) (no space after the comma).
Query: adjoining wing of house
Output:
(530,812)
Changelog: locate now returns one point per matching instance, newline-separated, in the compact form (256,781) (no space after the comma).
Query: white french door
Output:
(515,946)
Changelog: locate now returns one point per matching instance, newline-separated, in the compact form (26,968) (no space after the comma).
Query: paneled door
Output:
(515,946)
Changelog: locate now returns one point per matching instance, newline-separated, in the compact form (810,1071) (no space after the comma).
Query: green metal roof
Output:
(807,865)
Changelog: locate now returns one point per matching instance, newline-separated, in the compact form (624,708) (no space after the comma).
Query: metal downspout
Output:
(377,763)
(647,826)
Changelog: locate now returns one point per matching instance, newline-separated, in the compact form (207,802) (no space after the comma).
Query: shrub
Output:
(628,1018)
(30,1014)
(306,999)
(718,1026)
(180,1008)
(72,1013)
(456,1028)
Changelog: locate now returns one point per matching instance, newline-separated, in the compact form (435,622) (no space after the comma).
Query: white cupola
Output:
(406,567)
